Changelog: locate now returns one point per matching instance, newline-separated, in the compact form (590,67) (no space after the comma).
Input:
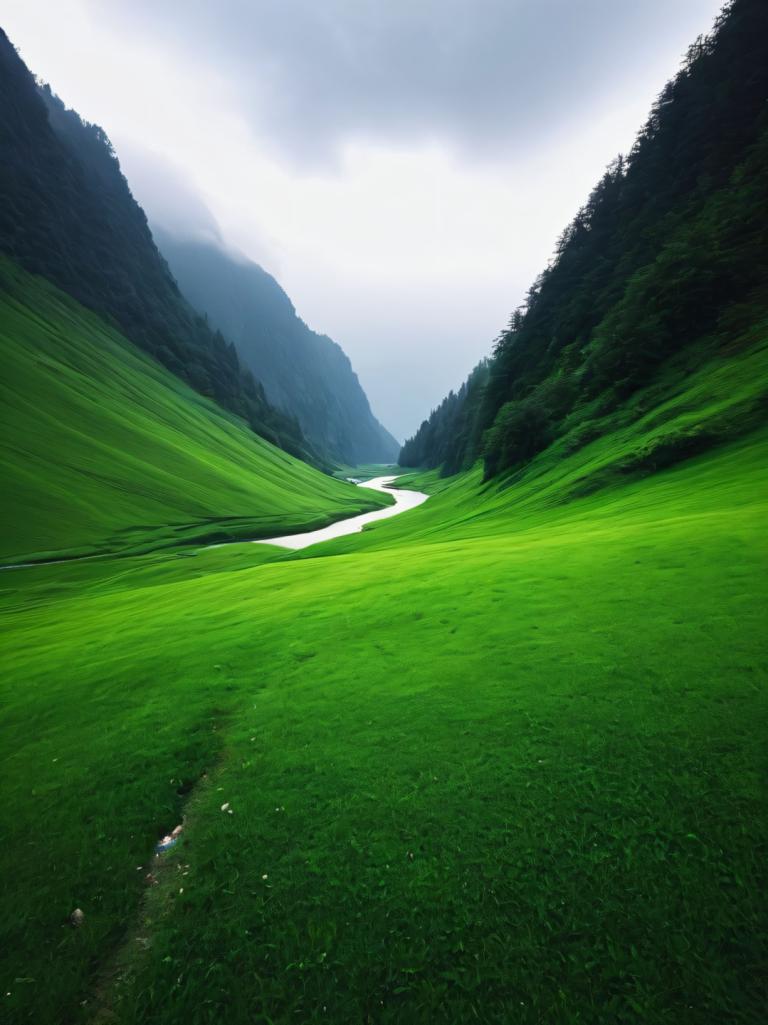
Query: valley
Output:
(127,456)
(303,725)
(431,735)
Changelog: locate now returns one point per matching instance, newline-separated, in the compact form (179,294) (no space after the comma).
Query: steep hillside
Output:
(303,373)
(105,450)
(668,260)
(66,212)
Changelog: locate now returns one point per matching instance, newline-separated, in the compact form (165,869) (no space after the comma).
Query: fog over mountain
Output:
(305,374)
(403,169)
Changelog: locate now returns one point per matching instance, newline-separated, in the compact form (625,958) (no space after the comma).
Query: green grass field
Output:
(500,759)
(105,450)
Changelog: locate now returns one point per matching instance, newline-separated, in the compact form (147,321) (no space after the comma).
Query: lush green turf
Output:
(502,761)
(499,759)
(705,397)
(105,450)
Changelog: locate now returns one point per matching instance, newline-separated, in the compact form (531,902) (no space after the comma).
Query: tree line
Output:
(670,247)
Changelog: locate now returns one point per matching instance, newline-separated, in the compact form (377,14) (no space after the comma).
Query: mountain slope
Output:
(303,373)
(105,450)
(66,212)
(669,255)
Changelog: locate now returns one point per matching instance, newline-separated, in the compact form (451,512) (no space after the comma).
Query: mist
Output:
(403,170)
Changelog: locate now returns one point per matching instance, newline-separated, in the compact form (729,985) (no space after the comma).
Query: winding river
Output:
(404,500)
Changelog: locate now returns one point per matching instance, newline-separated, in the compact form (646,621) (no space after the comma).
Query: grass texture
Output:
(500,759)
(105,450)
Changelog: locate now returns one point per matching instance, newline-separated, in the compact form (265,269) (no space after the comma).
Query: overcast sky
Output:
(403,167)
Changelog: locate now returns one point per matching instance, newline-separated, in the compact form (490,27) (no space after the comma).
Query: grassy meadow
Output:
(104,450)
(499,759)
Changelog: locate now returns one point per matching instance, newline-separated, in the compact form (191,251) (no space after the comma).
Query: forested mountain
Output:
(445,436)
(666,262)
(305,374)
(104,450)
(66,212)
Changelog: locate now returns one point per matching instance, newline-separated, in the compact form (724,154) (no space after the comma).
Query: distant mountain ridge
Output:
(66,213)
(305,374)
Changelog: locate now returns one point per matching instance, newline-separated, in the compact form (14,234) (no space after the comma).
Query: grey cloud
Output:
(483,75)
(174,206)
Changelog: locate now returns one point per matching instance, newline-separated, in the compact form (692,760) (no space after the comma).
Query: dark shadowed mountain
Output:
(66,213)
(664,267)
(305,374)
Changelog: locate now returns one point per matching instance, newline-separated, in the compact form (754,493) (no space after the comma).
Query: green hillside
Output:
(103,449)
(66,213)
(498,758)
(705,399)
(666,261)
